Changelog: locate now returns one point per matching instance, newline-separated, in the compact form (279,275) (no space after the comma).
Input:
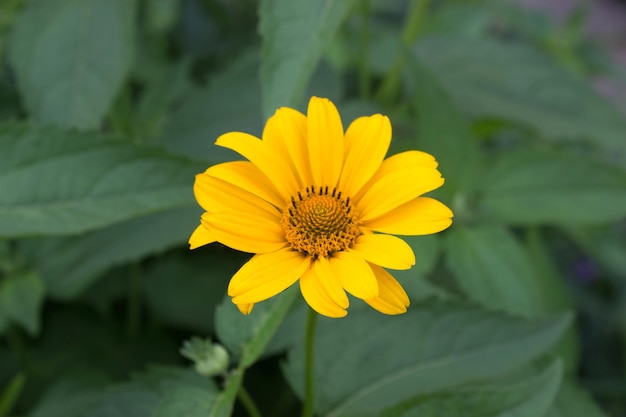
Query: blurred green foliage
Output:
(108,108)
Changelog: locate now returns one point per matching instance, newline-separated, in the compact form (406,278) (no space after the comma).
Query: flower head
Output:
(319,206)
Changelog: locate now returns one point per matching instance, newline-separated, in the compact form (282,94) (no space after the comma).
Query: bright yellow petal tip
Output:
(320,206)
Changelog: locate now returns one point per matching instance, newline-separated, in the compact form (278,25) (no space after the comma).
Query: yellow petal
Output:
(322,290)
(245,232)
(392,299)
(246,175)
(368,140)
(286,131)
(245,308)
(266,275)
(355,274)
(385,250)
(265,158)
(325,141)
(396,188)
(225,197)
(200,237)
(421,216)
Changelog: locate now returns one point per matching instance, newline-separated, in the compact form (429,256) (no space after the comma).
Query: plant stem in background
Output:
(309,377)
(248,403)
(418,10)
(364,38)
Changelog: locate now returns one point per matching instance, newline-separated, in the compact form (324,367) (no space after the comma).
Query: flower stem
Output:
(418,10)
(248,403)
(309,377)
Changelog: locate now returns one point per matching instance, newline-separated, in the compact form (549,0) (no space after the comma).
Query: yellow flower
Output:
(320,206)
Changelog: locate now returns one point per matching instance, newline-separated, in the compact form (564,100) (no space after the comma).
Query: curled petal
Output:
(245,232)
(392,299)
(355,274)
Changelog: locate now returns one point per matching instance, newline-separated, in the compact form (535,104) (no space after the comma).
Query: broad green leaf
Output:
(248,336)
(442,130)
(231,102)
(71,396)
(160,392)
(574,401)
(21,297)
(529,396)
(56,182)
(69,265)
(295,33)
(536,187)
(513,81)
(71,57)
(432,347)
(556,297)
(493,269)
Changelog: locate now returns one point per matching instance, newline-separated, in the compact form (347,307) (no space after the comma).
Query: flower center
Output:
(319,222)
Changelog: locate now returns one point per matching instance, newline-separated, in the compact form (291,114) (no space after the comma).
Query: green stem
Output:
(364,69)
(309,377)
(418,10)
(248,403)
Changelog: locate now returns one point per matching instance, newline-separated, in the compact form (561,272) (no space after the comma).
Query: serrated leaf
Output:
(536,187)
(21,297)
(247,336)
(70,58)
(430,348)
(56,182)
(513,81)
(528,396)
(70,264)
(295,33)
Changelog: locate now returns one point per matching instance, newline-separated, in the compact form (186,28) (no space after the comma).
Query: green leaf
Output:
(224,402)
(442,130)
(516,82)
(231,102)
(574,401)
(248,336)
(160,392)
(56,182)
(493,269)
(432,347)
(295,33)
(535,187)
(69,265)
(70,397)
(71,57)
(21,297)
(530,396)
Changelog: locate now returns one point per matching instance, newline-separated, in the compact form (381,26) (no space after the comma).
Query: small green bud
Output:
(209,358)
